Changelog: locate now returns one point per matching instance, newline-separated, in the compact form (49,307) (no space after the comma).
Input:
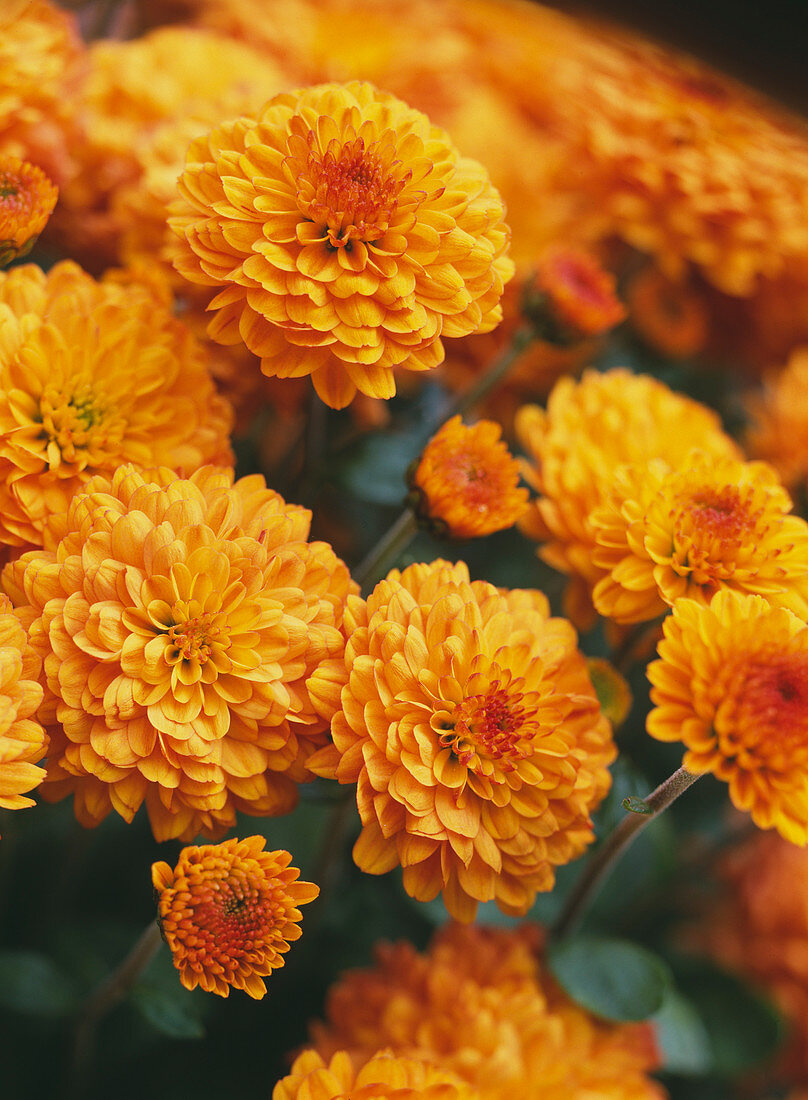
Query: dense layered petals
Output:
(382,1076)
(191,643)
(712,524)
(732,684)
(93,375)
(346,237)
(779,429)
(478,1003)
(229,912)
(22,738)
(472,730)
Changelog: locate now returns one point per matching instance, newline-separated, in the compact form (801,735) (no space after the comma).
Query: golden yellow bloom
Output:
(683,163)
(130,133)
(41,68)
(93,375)
(478,1003)
(22,738)
(712,523)
(759,926)
(779,432)
(590,429)
(572,294)
(383,1076)
(472,730)
(468,481)
(346,236)
(670,315)
(192,648)
(27,198)
(732,684)
(229,912)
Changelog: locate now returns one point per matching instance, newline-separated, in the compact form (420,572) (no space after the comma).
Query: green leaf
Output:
(613,978)
(682,1037)
(636,805)
(743,1027)
(34,985)
(170,1013)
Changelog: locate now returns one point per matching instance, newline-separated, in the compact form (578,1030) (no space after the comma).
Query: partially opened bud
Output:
(27,199)
(571,298)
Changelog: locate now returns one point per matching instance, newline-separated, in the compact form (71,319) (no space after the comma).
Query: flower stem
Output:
(520,340)
(389,547)
(613,847)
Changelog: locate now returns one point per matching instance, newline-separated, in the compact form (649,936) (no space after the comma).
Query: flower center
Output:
(67,420)
(196,638)
(230,918)
(713,527)
(489,727)
(767,713)
(351,189)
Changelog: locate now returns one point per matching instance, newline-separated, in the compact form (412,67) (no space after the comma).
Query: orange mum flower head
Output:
(571,297)
(472,730)
(590,429)
(478,1003)
(22,738)
(192,648)
(670,315)
(732,684)
(93,375)
(346,235)
(759,926)
(384,1076)
(780,421)
(466,482)
(229,912)
(27,198)
(713,523)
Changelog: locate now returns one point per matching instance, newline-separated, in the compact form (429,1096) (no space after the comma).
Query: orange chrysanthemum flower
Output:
(467,482)
(779,432)
(759,926)
(590,429)
(713,523)
(27,198)
(347,237)
(383,1076)
(93,375)
(22,738)
(573,296)
(732,684)
(478,1003)
(229,912)
(472,730)
(192,648)
(670,315)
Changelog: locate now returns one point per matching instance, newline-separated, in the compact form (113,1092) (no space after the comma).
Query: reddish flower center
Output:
(769,712)
(194,639)
(490,726)
(352,189)
(714,524)
(230,918)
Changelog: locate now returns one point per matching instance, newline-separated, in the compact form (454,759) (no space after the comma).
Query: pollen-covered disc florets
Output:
(27,198)
(229,912)
(467,482)
(732,684)
(715,523)
(473,732)
(192,648)
(346,235)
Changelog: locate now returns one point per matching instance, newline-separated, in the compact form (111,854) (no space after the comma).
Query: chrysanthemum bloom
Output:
(571,297)
(384,1076)
(130,132)
(41,68)
(732,684)
(22,738)
(27,198)
(712,523)
(93,375)
(590,429)
(478,1003)
(192,648)
(473,732)
(229,912)
(759,926)
(779,431)
(347,236)
(670,315)
(467,482)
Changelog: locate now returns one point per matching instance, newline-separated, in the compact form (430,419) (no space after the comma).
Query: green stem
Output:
(613,847)
(387,550)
